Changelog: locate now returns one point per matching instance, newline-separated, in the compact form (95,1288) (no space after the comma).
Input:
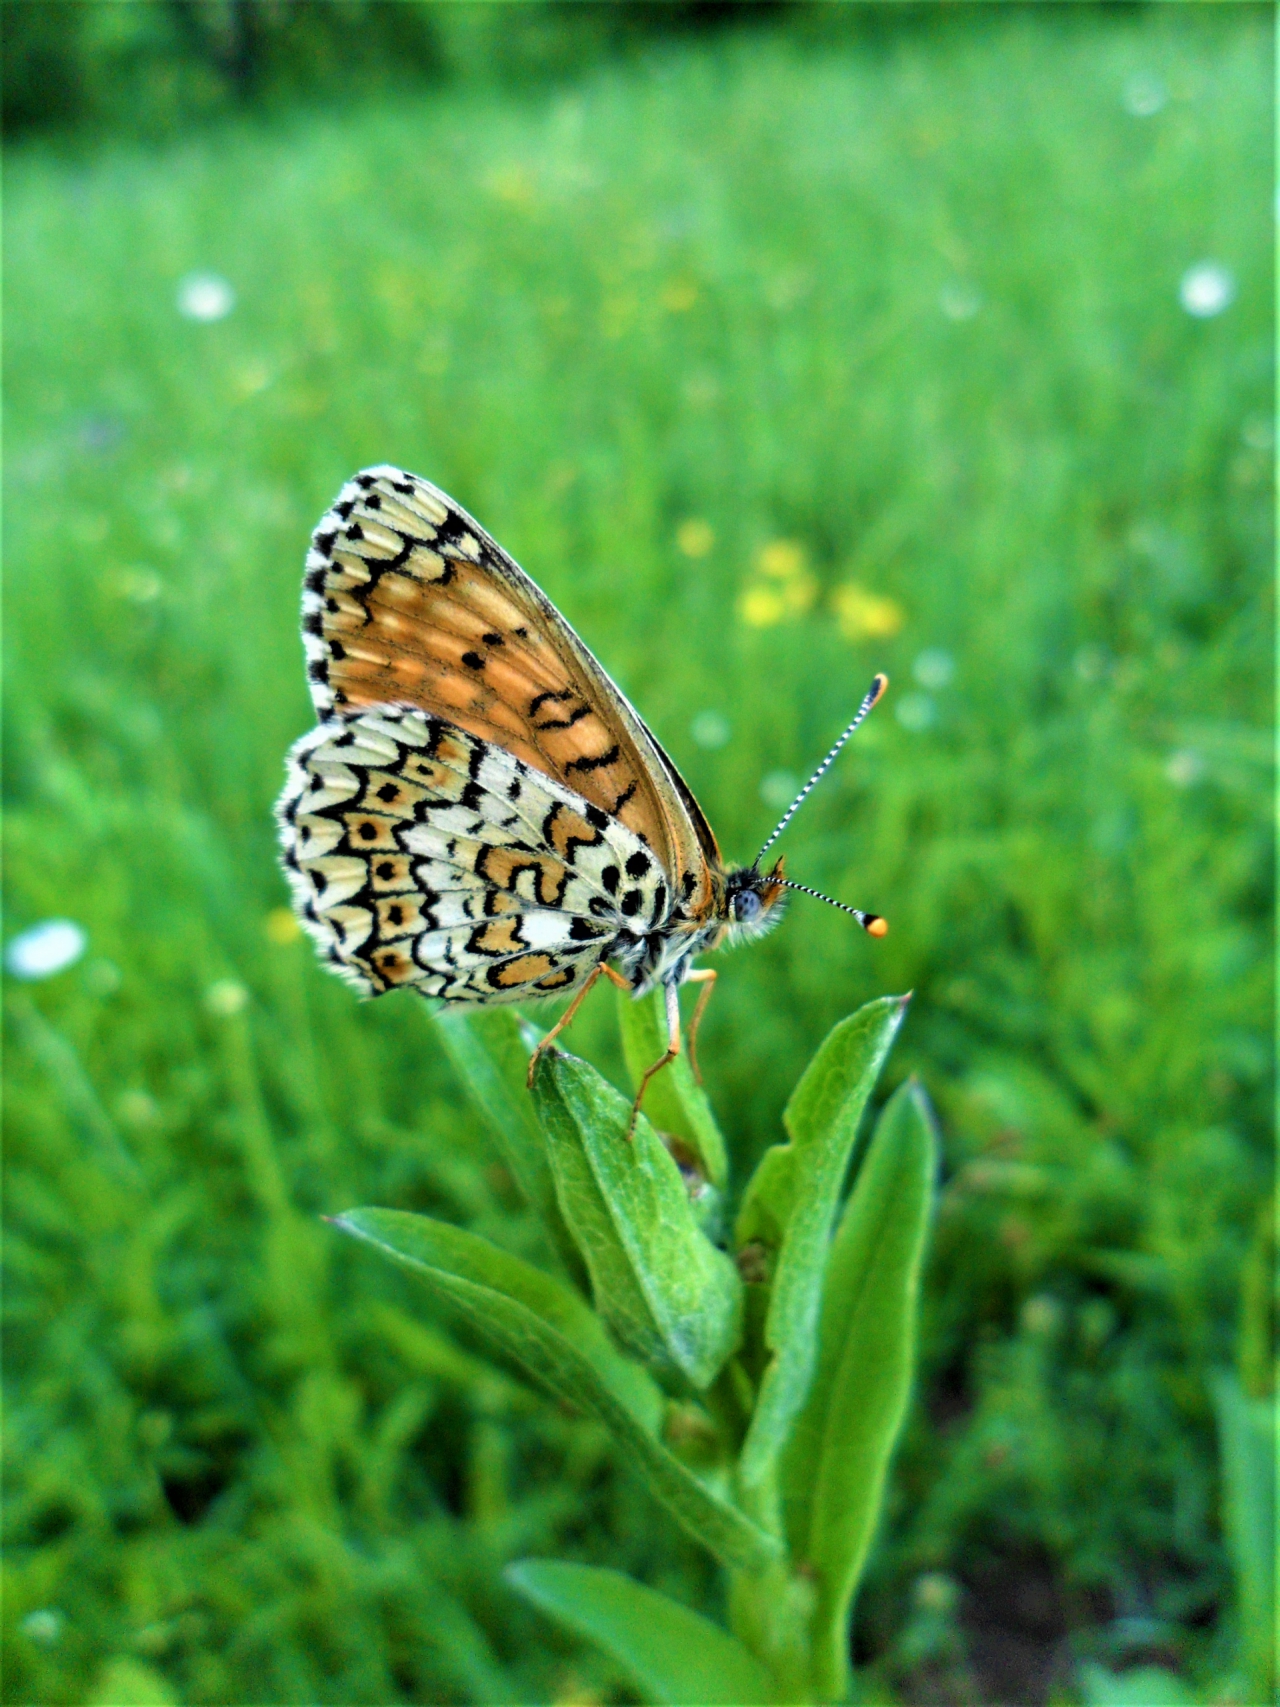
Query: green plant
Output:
(1068,493)
(759,1399)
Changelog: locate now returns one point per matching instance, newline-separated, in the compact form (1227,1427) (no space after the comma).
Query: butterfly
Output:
(480,815)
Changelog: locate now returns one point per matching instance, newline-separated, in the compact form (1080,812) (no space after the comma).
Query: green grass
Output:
(909,300)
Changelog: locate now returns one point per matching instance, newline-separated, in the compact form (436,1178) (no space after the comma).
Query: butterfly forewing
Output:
(422,856)
(408,601)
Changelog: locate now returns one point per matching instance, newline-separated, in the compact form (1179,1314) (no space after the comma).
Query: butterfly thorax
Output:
(745,903)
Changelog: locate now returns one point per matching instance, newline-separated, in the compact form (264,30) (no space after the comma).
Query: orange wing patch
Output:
(408,601)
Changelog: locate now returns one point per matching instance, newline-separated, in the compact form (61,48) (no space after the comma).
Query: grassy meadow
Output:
(775,357)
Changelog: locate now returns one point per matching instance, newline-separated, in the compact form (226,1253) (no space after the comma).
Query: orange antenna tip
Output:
(877,927)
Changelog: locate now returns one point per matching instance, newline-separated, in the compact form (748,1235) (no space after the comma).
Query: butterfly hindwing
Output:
(408,601)
(420,855)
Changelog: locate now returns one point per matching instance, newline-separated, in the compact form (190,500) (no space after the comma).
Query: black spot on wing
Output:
(598,763)
(566,722)
(582,930)
(638,864)
(541,699)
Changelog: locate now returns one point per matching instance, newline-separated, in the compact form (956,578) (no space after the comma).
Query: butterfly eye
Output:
(746,906)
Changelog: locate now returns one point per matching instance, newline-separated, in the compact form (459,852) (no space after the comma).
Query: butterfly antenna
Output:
(872,923)
(874,692)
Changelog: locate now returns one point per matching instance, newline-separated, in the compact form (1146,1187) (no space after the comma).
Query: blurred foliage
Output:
(776,357)
(152,66)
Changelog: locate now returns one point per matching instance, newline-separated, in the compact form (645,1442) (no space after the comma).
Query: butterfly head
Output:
(752,902)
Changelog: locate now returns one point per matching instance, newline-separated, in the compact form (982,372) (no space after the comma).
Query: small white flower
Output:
(916,711)
(44,1625)
(205,296)
(779,788)
(1206,289)
(226,997)
(1185,767)
(711,729)
(45,949)
(959,300)
(934,668)
(1143,94)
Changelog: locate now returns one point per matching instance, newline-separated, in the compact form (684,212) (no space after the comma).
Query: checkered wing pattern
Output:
(422,856)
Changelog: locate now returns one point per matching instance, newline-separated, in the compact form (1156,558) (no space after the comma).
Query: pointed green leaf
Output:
(540,1324)
(675,1102)
(1247,1443)
(674,1655)
(664,1289)
(834,1464)
(491,1051)
(822,1120)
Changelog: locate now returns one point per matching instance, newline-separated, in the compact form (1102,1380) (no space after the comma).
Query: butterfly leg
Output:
(706,976)
(672,993)
(566,1018)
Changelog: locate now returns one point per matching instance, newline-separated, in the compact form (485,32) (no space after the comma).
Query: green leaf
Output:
(1142,1686)
(543,1326)
(834,1464)
(491,1054)
(1247,1444)
(796,1189)
(664,1289)
(675,1102)
(672,1654)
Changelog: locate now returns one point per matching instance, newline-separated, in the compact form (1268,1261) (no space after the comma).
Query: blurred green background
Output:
(779,344)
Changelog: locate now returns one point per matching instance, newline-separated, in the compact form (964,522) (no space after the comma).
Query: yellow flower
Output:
(280,927)
(781,559)
(866,616)
(695,537)
(762,607)
(679,296)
